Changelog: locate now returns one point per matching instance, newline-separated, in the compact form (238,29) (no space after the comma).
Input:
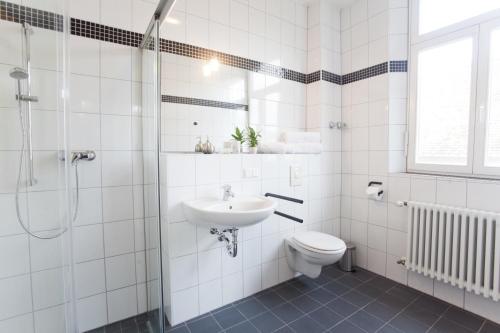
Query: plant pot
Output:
(252,150)
(236,147)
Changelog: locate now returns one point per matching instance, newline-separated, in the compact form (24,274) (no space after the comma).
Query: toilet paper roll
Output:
(373,192)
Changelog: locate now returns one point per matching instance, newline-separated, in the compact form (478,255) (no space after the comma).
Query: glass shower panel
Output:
(35,196)
(150,162)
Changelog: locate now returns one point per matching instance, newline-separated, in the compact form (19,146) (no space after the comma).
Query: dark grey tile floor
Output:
(337,302)
(143,323)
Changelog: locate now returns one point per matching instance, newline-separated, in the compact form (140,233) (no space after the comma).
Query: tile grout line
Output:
(304,314)
(437,320)
(346,318)
(397,314)
(482,326)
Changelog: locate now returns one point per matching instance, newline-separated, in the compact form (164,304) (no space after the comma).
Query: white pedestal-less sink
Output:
(236,212)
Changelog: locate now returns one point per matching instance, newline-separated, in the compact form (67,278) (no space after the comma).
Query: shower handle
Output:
(79,155)
(86,155)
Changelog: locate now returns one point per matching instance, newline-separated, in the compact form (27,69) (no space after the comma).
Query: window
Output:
(487,155)
(437,14)
(443,102)
(492,149)
(454,118)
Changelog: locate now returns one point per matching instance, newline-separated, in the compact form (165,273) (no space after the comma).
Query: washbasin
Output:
(233,213)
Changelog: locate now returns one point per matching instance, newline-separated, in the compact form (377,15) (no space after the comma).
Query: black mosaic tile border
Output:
(48,20)
(332,77)
(203,102)
(105,33)
(38,18)
(197,52)
(313,77)
(365,73)
(398,66)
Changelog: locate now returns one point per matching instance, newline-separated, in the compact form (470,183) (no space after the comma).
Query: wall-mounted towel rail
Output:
(282,197)
(293,218)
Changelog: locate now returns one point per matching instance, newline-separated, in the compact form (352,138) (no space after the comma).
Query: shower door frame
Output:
(154,32)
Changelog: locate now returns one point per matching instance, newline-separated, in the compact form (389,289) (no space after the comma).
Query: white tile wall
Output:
(324,98)
(372,148)
(197,261)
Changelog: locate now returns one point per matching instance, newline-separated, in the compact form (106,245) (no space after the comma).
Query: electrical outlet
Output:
(295,175)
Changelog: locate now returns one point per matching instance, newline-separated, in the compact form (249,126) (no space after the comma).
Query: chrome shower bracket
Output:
(231,244)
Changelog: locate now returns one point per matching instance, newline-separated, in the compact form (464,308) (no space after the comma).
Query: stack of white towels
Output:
(293,143)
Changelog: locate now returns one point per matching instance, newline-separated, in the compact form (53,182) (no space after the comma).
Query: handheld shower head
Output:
(18,73)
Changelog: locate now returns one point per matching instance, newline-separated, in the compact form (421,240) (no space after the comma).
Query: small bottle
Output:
(208,147)
(198,148)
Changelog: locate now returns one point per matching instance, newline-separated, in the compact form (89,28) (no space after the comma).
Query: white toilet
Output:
(308,251)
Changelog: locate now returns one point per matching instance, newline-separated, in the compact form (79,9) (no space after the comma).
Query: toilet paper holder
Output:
(375,195)
(376,183)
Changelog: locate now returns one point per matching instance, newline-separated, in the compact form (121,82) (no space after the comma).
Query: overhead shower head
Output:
(18,73)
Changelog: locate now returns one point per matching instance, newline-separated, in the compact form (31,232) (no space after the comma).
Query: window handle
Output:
(482,114)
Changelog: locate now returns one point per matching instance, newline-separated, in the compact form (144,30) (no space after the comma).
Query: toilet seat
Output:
(307,252)
(318,242)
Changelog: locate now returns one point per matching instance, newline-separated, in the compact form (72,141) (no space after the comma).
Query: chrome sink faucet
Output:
(228,193)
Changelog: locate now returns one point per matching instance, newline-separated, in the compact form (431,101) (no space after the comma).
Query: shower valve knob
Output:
(87,155)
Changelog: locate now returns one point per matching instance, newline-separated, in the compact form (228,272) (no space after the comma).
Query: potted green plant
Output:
(239,139)
(252,139)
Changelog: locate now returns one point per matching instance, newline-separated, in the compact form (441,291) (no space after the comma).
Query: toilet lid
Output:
(319,241)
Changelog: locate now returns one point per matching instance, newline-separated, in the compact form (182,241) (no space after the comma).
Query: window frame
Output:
(479,28)
(413,166)
(416,38)
(483,83)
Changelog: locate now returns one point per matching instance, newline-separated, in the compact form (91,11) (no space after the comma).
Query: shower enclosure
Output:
(39,188)
(79,237)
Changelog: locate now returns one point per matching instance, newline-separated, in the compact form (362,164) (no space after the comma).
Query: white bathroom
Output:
(211,166)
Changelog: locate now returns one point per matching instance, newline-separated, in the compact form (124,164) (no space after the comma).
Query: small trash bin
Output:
(348,261)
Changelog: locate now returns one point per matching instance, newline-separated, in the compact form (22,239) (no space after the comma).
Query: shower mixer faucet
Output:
(79,155)
(87,155)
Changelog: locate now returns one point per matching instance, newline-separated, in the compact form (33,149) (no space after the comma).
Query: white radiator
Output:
(455,245)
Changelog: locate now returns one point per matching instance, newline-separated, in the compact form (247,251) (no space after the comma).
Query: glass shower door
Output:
(35,195)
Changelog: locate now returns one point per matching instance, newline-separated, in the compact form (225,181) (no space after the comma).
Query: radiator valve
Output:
(402,261)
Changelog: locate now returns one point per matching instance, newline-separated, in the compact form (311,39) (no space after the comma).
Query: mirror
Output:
(200,99)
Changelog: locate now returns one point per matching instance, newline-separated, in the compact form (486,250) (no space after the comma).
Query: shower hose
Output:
(18,186)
